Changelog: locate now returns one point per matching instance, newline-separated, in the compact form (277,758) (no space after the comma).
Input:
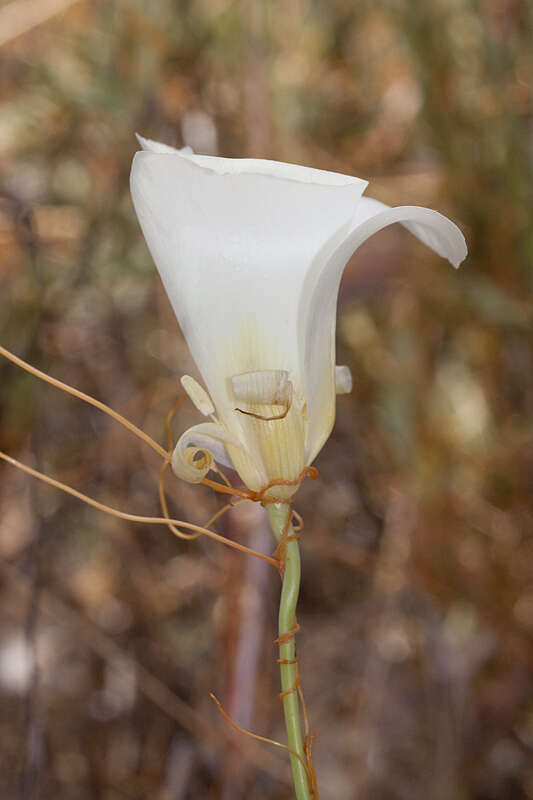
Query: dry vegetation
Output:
(417,607)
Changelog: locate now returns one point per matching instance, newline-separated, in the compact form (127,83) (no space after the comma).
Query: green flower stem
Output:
(277,514)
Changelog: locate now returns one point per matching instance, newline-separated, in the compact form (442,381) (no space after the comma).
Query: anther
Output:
(198,395)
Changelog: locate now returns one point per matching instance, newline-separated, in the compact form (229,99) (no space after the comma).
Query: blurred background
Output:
(416,647)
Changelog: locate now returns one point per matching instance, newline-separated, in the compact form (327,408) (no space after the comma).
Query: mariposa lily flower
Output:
(251,253)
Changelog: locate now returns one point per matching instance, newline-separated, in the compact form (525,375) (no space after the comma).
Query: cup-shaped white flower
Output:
(251,253)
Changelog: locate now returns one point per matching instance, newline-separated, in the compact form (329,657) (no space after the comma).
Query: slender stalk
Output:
(277,514)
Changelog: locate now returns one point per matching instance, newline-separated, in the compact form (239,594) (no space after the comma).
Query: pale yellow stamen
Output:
(198,395)
(265,388)
(269,387)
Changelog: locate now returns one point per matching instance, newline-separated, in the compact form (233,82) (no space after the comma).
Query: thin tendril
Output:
(220,513)
(164,507)
(226,480)
(133,517)
(308,748)
(246,494)
(177,402)
(304,711)
(257,737)
(172,524)
(299,519)
(86,398)
(259,497)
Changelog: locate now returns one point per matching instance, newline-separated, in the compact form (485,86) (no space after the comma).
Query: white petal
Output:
(207,439)
(431,227)
(251,253)
(319,300)
(233,241)
(255,166)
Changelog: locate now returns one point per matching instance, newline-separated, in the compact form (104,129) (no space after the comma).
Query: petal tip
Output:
(142,141)
(151,146)
(462,252)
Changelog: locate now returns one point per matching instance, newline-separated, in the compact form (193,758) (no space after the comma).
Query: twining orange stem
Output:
(134,517)
(299,519)
(285,638)
(259,497)
(225,488)
(177,402)
(87,399)
(310,472)
(164,507)
(246,494)
(256,736)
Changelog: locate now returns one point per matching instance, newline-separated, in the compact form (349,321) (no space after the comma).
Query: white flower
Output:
(251,253)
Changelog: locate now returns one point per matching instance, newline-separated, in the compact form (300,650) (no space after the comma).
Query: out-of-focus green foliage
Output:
(417,608)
